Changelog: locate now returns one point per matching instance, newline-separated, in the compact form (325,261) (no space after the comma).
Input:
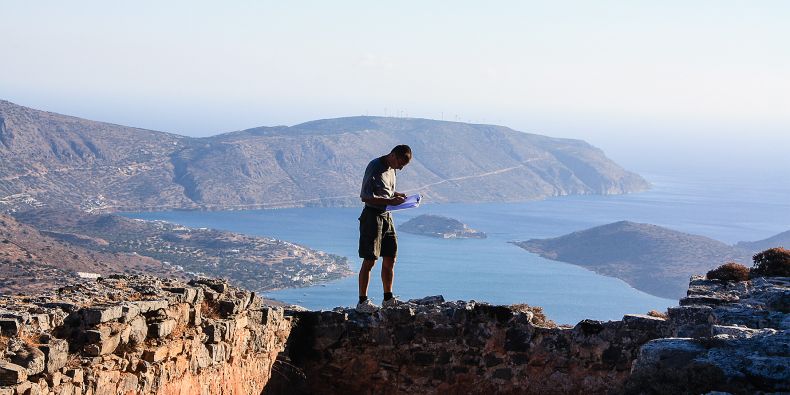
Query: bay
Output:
(494,271)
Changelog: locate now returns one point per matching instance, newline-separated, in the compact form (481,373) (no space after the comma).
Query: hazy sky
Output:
(698,79)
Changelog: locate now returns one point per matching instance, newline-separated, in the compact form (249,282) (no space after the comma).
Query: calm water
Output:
(494,271)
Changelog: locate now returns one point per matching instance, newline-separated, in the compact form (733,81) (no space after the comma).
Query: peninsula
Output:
(256,263)
(648,257)
(441,227)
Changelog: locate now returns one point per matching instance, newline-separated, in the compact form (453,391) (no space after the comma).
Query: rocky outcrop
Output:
(139,335)
(729,337)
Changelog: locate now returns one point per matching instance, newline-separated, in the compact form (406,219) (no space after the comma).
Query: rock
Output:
(161,329)
(437,299)
(691,321)
(102,344)
(156,354)
(101,314)
(9,327)
(11,374)
(56,353)
(30,358)
(135,332)
(147,306)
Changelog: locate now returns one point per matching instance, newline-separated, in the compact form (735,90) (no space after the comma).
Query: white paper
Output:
(411,202)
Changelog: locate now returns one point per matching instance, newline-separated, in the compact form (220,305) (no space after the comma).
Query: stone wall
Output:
(732,337)
(430,346)
(139,335)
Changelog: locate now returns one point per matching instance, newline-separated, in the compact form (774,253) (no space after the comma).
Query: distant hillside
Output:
(31,262)
(780,240)
(441,227)
(256,263)
(650,258)
(54,160)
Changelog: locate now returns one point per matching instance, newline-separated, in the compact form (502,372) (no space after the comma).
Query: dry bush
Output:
(657,314)
(729,271)
(209,310)
(178,330)
(773,262)
(3,343)
(74,361)
(31,339)
(538,317)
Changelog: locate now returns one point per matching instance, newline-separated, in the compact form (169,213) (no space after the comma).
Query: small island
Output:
(441,227)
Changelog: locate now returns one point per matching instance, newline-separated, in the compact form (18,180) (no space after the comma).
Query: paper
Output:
(411,202)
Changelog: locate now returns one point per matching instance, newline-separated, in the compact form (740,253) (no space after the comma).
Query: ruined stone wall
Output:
(731,337)
(430,346)
(139,335)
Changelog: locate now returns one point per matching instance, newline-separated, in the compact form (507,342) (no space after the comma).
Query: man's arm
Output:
(398,199)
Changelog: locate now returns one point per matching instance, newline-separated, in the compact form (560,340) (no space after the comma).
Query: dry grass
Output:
(209,310)
(538,317)
(31,339)
(74,361)
(178,330)
(657,314)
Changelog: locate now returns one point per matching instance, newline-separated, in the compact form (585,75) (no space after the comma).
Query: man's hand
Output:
(398,199)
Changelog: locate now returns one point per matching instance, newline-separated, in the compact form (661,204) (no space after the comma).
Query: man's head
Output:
(400,156)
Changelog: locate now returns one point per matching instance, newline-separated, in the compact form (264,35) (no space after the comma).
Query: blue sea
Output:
(492,270)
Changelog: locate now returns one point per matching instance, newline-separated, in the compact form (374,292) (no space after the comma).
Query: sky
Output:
(659,85)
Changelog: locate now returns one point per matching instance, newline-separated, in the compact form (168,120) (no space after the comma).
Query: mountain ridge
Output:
(57,160)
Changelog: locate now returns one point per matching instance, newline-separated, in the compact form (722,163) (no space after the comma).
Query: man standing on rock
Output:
(376,229)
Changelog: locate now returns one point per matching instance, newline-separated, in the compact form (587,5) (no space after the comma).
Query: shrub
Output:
(538,317)
(730,271)
(773,262)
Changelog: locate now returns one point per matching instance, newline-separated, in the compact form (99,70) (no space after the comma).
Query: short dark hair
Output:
(402,151)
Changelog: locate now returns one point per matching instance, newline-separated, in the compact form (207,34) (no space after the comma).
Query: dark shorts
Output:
(377,234)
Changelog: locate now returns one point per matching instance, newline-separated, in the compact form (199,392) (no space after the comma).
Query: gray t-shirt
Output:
(379,181)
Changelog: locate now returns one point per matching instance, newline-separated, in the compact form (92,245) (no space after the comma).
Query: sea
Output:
(728,209)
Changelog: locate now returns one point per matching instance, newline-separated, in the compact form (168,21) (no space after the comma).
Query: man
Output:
(376,229)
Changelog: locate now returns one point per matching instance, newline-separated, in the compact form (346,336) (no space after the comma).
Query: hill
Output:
(56,160)
(441,227)
(33,262)
(256,263)
(650,258)
(779,240)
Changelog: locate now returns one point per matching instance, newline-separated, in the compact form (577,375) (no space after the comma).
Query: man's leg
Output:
(387,273)
(364,276)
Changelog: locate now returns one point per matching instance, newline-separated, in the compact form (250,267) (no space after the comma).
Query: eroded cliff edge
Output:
(142,335)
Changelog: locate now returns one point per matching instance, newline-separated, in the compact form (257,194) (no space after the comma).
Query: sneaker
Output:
(367,307)
(394,302)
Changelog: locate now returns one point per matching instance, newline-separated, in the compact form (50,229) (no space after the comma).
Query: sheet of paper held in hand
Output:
(411,202)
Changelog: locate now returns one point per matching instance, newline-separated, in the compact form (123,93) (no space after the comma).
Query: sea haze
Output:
(495,271)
